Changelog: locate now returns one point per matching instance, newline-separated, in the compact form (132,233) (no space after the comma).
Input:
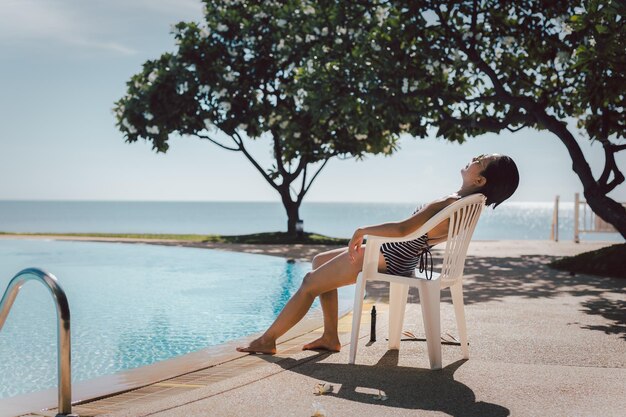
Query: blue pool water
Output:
(133,305)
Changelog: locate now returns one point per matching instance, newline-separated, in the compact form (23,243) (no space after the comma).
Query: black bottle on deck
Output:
(373,329)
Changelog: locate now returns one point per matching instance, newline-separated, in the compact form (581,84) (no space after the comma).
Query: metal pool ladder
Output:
(63,328)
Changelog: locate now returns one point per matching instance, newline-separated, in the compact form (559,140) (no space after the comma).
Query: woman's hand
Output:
(354,247)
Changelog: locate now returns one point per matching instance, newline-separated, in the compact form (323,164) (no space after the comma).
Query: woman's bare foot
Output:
(260,345)
(324,343)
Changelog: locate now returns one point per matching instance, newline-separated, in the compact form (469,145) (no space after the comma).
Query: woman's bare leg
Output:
(329,302)
(335,273)
(330,338)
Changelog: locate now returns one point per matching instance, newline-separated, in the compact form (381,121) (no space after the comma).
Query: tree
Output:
(472,67)
(294,71)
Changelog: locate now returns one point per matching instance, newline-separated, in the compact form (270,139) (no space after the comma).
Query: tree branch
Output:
(255,163)
(278,155)
(301,165)
(517,129)
(579,162)
(315,176)
(492,124)
(498,85)
(474,56)
(483,99)
(301,193)
(619,178)
(473,24)
(217,143)
(610,166)
(237,137)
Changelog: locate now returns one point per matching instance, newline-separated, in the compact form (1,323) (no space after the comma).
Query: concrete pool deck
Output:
(542,342)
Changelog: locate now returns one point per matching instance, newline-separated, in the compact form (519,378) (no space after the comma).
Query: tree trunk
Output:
(292,219)
(292,208)
(608,209)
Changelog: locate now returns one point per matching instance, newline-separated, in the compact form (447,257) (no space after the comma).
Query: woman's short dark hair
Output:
(502,180)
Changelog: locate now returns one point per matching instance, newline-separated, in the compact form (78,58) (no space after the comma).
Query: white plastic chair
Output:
(463,215)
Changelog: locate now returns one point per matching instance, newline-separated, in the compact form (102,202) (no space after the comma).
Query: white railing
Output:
(591,222)
(554,230)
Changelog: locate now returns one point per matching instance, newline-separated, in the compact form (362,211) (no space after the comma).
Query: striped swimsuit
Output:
(403,257)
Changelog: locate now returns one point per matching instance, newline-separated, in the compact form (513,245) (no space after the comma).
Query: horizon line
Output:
(241,201)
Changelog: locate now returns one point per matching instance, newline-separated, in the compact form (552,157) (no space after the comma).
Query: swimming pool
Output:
(134,305)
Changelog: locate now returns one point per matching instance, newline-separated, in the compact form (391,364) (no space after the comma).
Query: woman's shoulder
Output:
(437,205)
(445,201)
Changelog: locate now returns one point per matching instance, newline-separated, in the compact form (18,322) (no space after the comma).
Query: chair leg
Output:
(459,311)
(397,302)
(430,295)
(359,293)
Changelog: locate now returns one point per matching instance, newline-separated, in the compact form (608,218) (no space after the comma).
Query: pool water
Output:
(133,305)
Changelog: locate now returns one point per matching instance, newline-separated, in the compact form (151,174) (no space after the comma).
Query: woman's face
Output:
(472,172)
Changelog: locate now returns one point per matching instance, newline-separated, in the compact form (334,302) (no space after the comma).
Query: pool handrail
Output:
(63,328)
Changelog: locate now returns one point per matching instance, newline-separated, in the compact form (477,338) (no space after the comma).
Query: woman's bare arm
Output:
(400,228)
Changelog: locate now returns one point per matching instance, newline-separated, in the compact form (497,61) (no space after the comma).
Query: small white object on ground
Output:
(381,396)
(323,388)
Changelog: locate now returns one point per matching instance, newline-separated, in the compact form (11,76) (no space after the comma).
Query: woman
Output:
(495,176)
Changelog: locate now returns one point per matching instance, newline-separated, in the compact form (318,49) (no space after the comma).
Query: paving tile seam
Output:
(156,383)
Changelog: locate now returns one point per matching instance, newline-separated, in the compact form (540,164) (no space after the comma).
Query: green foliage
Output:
(599,96)
(279,238)
(298,71)
(470,67)
(333,78)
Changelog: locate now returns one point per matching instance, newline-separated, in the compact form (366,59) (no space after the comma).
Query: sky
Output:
(63,64)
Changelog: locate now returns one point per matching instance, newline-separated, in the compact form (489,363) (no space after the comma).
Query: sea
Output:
(510,221)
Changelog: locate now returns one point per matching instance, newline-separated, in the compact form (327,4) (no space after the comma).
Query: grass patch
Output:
(267,238)
(607,262)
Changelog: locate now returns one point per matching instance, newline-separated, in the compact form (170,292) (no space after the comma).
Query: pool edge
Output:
(133,379)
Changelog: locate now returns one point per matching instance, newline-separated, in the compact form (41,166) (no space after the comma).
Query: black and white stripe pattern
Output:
(403,257)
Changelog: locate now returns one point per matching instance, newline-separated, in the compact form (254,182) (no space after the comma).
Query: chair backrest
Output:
(463,216)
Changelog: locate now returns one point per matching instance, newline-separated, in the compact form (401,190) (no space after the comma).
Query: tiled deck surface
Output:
(214,374)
